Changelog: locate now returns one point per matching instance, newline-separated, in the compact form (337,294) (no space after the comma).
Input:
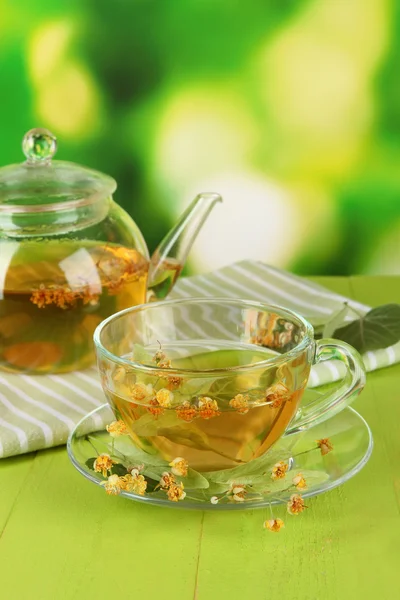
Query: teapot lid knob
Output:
(39,146)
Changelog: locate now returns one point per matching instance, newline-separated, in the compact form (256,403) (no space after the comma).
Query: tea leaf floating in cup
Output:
(377,329)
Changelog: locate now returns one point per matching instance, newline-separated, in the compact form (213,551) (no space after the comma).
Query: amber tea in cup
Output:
(215,381)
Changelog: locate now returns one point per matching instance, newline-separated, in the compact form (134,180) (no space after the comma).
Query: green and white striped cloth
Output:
(40,411)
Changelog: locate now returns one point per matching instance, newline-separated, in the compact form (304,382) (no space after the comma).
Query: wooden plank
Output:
(13,473)
(344,546)
(70,540)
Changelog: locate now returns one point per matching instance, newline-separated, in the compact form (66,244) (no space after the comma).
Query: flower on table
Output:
(164,398)
(208,408)
(325,446)
(295,505)
(140,391)
(186,411)
(299,482)
(277,394)
(238,492)
(113,485)
(179,466)
(176,492)
(240,403)
(279,470)
(103,464)
(274,525)
(117,428)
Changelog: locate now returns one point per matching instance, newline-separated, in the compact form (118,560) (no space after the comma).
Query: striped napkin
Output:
(39,412)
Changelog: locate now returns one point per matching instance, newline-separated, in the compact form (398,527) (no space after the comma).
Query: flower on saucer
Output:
(179,466)
(113,485)
(214,499)
(208,408)
(299,482)
(277,394)
(274,525)
(166,480)
(279,470)
(238,492)
(164,398)
(140,391)
(186,411)
(134,482)
(240,403)
(325,446)
(103,464)
(295,505)
(175,492)
(117,428)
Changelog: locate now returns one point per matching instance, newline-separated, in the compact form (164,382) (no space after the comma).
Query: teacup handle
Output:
(334,401)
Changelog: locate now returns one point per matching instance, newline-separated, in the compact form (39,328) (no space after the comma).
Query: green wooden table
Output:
(62,538)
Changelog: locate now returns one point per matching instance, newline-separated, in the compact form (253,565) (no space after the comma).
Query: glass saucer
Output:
(347,431)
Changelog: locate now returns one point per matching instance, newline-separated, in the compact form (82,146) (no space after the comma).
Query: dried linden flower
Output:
(295,505)
(279,470)
(274,525)
(117,428)
(325,446)
(179,466)
(103,464)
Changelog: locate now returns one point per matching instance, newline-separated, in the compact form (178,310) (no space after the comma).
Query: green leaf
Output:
(140,354)
(379,328)
(148,425)
(118,469)
(337,320)
(248,472)
(89,463)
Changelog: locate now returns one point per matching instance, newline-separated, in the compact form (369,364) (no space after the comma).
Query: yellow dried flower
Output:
(164,364)
(166,480)
(299,482)
(103,464)
(179,466)
(159,356)
(140,391)
(325,446)
(113,485)
(238,492)
(174,382)
(134,482)
(240,403)
(187,412)
(117,428)
(175,492)
(295,505)
(154,408)
(164,398)
(208,408)
(274,525)
(214,499)
(277,394)
(279,470)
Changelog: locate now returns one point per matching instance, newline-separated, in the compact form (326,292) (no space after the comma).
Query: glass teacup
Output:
(216,381)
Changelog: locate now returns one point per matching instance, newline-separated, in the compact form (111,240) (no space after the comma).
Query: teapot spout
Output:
(170,256)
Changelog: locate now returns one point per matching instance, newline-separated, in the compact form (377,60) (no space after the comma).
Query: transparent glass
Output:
(70,257)
(60,276)
(216,382)
(348,432)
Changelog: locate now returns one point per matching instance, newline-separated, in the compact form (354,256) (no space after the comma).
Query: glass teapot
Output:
(70,257)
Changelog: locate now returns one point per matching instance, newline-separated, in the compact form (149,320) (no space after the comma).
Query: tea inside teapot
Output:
(70,257)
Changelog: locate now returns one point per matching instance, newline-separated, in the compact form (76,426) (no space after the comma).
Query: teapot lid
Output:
(43,184)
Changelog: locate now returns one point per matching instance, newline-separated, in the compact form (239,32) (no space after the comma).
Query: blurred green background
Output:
(290,109)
